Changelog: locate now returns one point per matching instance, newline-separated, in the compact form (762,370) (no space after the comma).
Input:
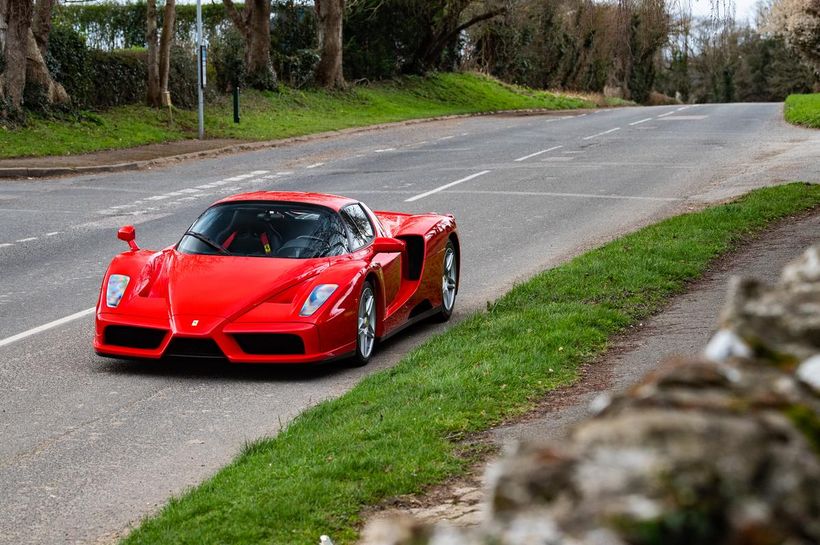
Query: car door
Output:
(362,233)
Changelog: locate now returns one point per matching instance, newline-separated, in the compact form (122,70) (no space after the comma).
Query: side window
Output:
(359,225)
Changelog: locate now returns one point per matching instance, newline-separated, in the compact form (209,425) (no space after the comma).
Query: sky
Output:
(745,10)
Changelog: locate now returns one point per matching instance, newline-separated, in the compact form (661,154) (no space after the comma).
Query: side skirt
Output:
(412,321)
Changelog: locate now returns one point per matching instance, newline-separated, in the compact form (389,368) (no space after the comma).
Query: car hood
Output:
(223,286)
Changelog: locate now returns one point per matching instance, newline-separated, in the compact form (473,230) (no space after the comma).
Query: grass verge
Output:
(803,110)
(398,430)
(289,112)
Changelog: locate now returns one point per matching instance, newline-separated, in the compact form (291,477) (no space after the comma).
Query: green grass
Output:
(289,112)
(803,110)
(399,430)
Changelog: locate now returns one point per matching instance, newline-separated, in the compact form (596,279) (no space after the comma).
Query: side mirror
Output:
(128,234)
(384,245)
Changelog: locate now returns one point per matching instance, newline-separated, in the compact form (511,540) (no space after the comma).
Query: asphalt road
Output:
(88,445)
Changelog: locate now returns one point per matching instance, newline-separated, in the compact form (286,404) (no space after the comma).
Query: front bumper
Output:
(139,337)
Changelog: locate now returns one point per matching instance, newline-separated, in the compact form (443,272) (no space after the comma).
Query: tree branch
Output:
(235,16)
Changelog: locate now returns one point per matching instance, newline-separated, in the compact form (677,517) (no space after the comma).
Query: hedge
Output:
(97,79)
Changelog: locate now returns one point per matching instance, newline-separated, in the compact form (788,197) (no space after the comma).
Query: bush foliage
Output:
(97,79)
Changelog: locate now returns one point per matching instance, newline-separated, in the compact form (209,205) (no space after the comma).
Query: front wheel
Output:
(365,326)
(449,282)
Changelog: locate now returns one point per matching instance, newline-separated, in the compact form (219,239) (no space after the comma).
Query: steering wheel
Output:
(317,239)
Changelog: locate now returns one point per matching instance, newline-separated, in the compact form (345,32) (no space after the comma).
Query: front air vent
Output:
(146,338)
(188,347)
(270,344)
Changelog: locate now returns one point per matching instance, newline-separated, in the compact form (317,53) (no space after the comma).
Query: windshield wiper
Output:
(216,246)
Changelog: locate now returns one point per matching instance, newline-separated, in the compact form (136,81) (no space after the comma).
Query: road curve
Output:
(88,446)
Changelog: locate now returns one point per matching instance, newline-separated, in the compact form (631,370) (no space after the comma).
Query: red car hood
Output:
(222,286)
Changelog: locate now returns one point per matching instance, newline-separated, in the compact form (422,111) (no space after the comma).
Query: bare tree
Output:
(253,22)
(329,70)
(168,20)
(154,97)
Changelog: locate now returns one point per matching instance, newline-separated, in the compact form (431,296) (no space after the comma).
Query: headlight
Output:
(317,298)
(115,290)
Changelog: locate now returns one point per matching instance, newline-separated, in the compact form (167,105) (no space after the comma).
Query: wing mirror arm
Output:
(128,234)
(386,245)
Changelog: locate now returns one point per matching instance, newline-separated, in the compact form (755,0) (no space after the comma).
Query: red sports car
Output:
(276,277)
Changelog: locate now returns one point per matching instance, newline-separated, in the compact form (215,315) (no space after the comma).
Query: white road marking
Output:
(558,159)
(446,186)
(314,165)
(664,115)
(6,244)
(686,117)
(45,327)
(537,153)
(641,121)
(220,182)
(602,133)
(582,115)
(241,177)
(447,137)
(206,186)
(29,239)
(573,195)
(157,198)
(285,173)
(384,150)
(189,190)
(53,233)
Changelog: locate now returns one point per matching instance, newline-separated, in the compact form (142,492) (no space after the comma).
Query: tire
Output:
(449,282)
(366,317)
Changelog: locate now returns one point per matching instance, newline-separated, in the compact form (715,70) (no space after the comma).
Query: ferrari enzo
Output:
(279,277)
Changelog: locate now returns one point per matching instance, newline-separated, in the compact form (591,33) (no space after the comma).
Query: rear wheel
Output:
(365,325)
(449,282)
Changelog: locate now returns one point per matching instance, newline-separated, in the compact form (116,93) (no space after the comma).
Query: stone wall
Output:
(720,449)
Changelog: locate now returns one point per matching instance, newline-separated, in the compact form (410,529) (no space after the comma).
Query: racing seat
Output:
(251,236)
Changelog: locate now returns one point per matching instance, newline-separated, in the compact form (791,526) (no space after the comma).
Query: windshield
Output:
(266,229)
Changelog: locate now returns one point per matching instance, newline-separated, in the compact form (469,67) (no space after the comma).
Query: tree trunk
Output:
(329,70)
(3,26)
(154,97)
(37,74)
(445,32)
(13,78)
(41,25)
(165,43)
(254,25)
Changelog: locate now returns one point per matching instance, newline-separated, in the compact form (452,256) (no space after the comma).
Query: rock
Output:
(719,450)
(781,324)
(809,373)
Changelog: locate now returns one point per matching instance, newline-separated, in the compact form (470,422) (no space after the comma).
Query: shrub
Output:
(119,78)
(67,60)
(227,56)
(97,79)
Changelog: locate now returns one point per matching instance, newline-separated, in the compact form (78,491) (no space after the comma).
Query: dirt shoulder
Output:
(683,328)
